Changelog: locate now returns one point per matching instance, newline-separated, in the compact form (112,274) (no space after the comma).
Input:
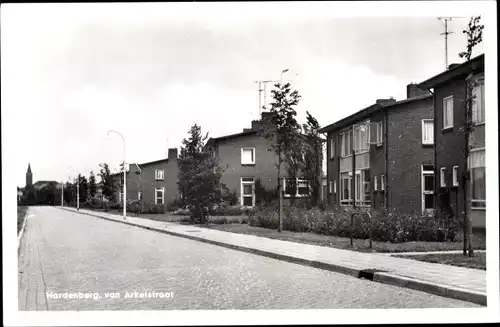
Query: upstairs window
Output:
(159,174)
(248,156)
(427,131)
(478,103)
(448,112)
(375,183)
(332,148)
(380,133)
(345,143)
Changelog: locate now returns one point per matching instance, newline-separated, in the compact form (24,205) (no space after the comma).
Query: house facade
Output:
(247,158)
(152,182)
(450,89)
(388,148)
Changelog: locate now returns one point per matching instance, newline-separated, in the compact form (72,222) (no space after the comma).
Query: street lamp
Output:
(124,176)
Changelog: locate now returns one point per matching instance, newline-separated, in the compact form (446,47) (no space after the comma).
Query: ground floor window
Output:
(477,166)
(247,198)
(159,195)
(427,188)
(363,189)
(296,187)
(345,184)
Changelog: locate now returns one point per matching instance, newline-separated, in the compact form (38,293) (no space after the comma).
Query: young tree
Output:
(199,176)
(282,129)
(313,156)
(108,188)
(474,32)
(83,188)
(92,185)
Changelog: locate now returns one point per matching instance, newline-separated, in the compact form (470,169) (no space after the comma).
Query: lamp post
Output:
(62,193)
(78,192)
(124,176)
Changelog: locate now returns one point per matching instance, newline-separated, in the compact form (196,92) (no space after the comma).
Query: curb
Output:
(380,277)
(21,232)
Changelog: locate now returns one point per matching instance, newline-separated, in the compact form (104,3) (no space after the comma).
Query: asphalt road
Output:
(112,266)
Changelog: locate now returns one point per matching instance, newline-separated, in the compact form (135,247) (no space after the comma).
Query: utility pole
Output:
(446,32)
(78,193)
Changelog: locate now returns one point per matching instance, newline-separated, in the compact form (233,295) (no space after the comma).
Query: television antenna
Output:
(446,33)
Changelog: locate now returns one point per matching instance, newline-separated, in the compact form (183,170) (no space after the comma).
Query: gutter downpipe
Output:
(434,147)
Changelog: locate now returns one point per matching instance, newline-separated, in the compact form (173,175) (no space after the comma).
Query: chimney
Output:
(451,66)
(172,153)
(385,102)
(412,90)
(256,125)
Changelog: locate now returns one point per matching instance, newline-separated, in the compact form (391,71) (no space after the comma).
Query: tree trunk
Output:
(280,196)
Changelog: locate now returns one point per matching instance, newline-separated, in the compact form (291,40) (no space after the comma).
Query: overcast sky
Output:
(72,72)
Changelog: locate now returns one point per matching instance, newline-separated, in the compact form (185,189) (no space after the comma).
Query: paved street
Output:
(63,252)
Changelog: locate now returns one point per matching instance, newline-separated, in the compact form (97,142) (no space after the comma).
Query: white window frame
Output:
(426,192)
(334,187)
(447,124)
(253,156)
(139,195)
(297,194)
(363,138)
(346,201)
(424,140)
(332,148)
(476,201)
(159,175)
(346,137)
(360,199)
(380,134)
(442,176)
(330,187)
(382,182)
(242,195)
(478,104)
(455,175)
(375,183)
(162,190)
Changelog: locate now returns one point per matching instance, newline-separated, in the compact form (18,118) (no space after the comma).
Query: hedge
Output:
(386,226)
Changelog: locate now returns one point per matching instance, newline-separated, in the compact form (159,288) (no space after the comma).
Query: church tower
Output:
(29,176)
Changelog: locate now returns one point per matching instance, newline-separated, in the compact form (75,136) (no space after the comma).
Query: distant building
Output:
(154,182)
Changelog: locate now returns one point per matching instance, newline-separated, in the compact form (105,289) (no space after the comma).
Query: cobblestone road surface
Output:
(63,252)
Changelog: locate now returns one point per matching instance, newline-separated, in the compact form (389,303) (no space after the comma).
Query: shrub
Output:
(174,205)
(386,226)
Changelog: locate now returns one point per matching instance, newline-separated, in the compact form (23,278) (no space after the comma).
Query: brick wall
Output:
(407,154)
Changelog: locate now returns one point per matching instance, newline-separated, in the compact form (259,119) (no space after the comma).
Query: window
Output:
(478,103)
(448,112)
(382,182)
(295,187)
(332,148)
(455,175)
(380,133)
(442,173)
(427,131)
(375,183)
(159,192)
(345,184)
(330,187)
(247,198)
(139,195)
(248,156)
(159,174)
(345,143)
(361,137)
(427,188)
(335,187)
(477,166)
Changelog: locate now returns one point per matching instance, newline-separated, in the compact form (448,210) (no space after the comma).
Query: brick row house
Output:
(153,182)
(246,157)
(449,88)
(388,148)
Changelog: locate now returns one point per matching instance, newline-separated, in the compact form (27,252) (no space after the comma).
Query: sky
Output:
(72,72)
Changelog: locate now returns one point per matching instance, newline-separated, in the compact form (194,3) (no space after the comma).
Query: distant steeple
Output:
(29,176)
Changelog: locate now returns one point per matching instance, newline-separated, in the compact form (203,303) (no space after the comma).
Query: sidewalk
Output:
(443,280)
